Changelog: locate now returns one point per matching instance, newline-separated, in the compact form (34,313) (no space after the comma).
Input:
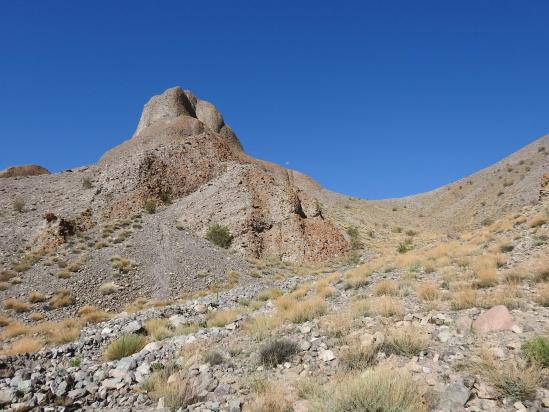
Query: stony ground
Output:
(431,314)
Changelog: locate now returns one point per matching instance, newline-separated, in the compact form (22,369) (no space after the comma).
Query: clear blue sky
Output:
(371,98)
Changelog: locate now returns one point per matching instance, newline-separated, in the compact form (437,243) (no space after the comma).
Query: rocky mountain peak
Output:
(176,102)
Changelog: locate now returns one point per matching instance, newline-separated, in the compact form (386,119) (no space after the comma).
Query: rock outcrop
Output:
(26,170)
(182,147)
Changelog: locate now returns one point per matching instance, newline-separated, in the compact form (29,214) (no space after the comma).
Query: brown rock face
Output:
(27,170)
(497,318)
(183,147)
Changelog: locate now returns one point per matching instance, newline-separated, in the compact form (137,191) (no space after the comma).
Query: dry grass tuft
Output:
(90,314)
(428,291)
(271,397)
(538,220)
(384,306)
(61,298)
(518,383)
(269,294)
(464,299)
(261,326)
(108,288)
(386,287)
(124,346)
(158,329)
(36,316)
(304,310)
(484,268)
(383,388)
(16,305)
(35,297)
(356,278)
(5,320)
(222,318)
(407,341)
(24,345)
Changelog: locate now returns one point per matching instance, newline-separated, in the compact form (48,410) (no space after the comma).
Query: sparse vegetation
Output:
(278,351)
(536,350)
(408,341)
(380,389)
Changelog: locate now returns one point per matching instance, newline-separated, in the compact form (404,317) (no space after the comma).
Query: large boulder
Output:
(497,318)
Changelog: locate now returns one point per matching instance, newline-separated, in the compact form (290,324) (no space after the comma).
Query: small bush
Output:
(124,346)
(536,350)
(219,235)
(74,362)
(150,206)
(277,352)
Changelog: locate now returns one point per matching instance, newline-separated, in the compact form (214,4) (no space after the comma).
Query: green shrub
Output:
(124,346)
(537,350)
(219,235)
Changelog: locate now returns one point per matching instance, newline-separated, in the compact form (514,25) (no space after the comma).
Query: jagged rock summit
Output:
(182,147)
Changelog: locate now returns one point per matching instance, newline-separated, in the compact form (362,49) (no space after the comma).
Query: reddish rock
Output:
(497,318)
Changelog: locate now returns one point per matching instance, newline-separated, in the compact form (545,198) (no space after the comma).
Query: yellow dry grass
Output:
(386,287)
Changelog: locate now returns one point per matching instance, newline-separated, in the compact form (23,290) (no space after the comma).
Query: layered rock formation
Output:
(183,148)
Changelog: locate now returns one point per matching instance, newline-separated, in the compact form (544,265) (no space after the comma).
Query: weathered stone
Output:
(497,318)
(326,355)
(454,397)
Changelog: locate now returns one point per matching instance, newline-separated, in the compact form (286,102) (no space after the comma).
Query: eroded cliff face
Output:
(182,147)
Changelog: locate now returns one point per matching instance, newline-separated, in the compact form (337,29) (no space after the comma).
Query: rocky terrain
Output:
(113,298)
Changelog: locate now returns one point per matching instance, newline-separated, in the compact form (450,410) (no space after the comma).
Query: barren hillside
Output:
(180,274)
